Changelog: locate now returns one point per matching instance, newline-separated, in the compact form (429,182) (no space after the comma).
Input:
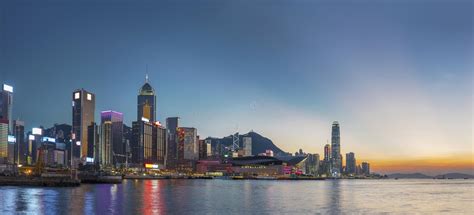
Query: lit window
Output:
(89,96)
(77,95)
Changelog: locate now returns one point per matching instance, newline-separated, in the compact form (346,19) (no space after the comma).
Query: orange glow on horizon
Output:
(461,163)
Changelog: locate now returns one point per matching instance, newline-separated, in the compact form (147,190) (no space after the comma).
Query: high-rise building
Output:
(365,168)
(202,150)
(190,145)
(247,143)
(172,124)
(351,165)
(83,109)
(20,146)
(336,150)
(106,139)
(114,136)
(142,143)
(3,141)
(6,104)
(62,134)
(209,148)
(93,139)
(159,145)
(146,102)
(312,164)
(327,152)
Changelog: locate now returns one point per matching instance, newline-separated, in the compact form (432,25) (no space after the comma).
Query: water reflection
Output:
(243,197)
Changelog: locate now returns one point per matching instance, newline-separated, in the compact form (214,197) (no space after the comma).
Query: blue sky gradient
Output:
(396,74)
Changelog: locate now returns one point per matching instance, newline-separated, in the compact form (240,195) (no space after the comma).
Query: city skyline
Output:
(425,118)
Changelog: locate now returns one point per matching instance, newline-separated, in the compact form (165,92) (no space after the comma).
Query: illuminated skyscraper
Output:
(3,141)
(159,144)
(146,102)
(20,146)
(6,104)
(112,137)
(336,149)
(83,108)
(142,142)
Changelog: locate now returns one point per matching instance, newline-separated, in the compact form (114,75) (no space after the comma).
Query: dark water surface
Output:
(425,196)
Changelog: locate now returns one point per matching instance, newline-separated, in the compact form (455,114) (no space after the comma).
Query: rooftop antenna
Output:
(146,76)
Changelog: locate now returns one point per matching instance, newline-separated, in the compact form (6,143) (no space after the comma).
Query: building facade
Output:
(247,146)
(336,156)
(113,136)
(146,102)
(351,165)
(365,168)
(172,124)
(83,109)
(6,105)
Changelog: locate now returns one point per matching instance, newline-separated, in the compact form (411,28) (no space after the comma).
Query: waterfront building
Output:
(93,139)
(3,141)
(146,102)
(11,149)
(159,145)
(114,147)
(62,134)
(6,106)
(142,143)
(209,148)
(365,168)
(202,150)
(247,143)
(172,124)
(19,135)
(312,164)
(83,109)
(106,138)
(187,148)
(336,167)
(351,166)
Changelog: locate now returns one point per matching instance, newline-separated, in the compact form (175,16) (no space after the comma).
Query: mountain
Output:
(259,143)
(409,175)
(454,175)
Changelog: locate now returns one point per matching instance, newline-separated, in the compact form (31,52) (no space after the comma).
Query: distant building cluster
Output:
(150,145)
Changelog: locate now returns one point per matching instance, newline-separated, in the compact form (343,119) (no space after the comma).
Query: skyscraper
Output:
(146,102)
(312,164)
(19,134)
(93,143)
(6,104)
(336,149)
(327,152)
(113,136)
(350,163)
(172,153)
(365,168)
(159,144)
(83,108)
(142,143)
(3,141)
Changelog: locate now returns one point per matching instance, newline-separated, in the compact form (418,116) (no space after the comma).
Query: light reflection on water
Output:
(248,197)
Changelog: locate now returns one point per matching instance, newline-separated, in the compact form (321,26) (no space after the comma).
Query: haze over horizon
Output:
(399,81)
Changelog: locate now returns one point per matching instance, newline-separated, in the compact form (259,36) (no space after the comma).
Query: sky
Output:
(397,75)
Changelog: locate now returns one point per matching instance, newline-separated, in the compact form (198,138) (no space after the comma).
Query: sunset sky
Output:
(397,75)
